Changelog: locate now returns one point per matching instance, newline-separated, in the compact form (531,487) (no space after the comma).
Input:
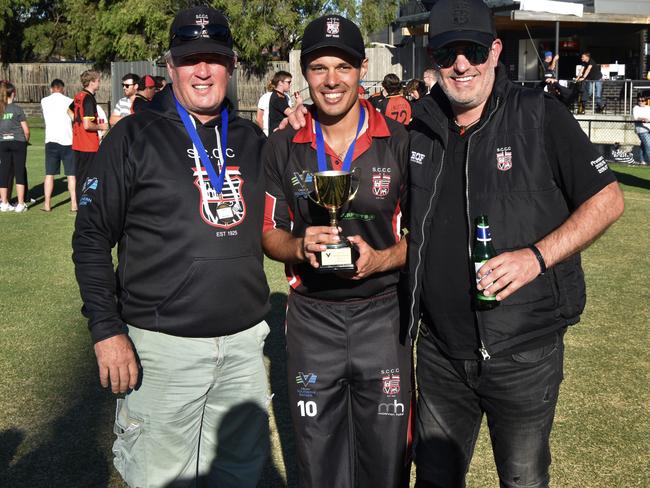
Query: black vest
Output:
(510,180)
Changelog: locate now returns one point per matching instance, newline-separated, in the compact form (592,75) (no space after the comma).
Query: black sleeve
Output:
(98,227)
(89,108)
(279,104)
(578,167)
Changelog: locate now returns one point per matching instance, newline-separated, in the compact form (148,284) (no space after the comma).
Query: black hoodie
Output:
(189,262)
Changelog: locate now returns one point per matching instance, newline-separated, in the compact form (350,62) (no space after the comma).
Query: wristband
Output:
(540,258)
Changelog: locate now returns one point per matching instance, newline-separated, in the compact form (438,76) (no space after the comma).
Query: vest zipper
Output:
(485,355)
(419,261)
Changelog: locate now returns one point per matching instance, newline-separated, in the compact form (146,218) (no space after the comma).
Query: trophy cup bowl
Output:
(332,190)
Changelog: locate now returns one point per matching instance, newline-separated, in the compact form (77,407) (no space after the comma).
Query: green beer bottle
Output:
(483,250)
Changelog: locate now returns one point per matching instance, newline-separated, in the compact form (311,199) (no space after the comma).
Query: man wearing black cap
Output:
(487,147)
(180,326)
(346,359)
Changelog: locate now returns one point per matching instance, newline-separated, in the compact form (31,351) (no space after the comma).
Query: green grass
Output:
(55,420)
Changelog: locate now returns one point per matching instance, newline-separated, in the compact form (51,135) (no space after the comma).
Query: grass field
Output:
(56,421)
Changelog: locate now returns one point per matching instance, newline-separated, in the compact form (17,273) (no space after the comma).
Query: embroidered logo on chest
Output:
(504,158)
(380,182)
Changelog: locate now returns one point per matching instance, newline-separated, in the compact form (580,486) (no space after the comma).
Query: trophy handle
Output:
(354,193)
(303,185)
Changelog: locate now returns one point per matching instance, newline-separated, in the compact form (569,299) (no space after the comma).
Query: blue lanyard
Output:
(216,180)
(320,144)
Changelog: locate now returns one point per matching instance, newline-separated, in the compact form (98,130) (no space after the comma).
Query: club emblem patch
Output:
(391,384)
(226,210)
(333,27)
(380,184)
(504,158)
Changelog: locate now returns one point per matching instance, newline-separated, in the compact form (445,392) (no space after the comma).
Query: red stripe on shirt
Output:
(269,213)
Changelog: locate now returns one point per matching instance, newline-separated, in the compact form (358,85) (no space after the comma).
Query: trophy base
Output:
(337,258)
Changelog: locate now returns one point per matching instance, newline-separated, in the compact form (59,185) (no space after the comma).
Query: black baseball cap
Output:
(332,31)
(461,20)
(200,30)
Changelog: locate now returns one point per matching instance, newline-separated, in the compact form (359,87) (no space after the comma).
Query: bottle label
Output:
(479,294)
(483,233)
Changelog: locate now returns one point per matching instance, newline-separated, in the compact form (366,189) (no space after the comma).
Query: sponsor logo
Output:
(390,380)
(417,157)
(600,164)
(381,183)
(90,184)
(304,381)
(394,409)
(299,191)
(333,27)
(85,200)
(222,210)
(358,216)
(504,158)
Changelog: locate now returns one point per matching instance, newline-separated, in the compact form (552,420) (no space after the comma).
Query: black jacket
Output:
(524,204)
(189,263)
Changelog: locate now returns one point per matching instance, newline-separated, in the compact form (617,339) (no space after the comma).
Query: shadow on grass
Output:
(631,180)
(275,350)
(68,454)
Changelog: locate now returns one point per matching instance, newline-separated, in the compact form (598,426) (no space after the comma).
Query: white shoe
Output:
(6,207)
(20,208)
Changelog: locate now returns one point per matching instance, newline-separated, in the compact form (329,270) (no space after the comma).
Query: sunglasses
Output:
(642,100)
(127,85)
(445,57)
(192,32)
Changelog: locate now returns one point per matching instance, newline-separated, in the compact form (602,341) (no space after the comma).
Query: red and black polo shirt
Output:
(84,106)
(381,153)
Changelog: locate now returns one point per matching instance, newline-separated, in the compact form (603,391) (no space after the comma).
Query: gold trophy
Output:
(332,190)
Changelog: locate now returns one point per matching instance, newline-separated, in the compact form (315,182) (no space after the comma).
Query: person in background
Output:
(123,106)
(549,67)
(393,104)
(592,79)
(429,78)
(641,115)
(145,93)
(161,82)
(416,90)
(279,101)
(262,115)
(85,126)
(58,143)
(14,136)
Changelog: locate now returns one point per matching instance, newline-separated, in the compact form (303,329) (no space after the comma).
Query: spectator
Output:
(641,115)
(14,136)
(183,317)
(262,115)
(549,67)
(85,125)
(490,147)
(279,103)
(58,143)
(393,104)
(144,95)
(429,77)
(161,82)
(416,90)
(592,79)
(123,105)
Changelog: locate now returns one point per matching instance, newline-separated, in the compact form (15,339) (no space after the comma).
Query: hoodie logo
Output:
(504,158)
(225,210)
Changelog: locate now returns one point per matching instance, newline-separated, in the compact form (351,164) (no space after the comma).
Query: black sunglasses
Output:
(215,32)
(127,85)
(445,57)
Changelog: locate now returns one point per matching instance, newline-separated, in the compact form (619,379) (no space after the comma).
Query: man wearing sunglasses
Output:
(123,106)
(485,146)
(179,327)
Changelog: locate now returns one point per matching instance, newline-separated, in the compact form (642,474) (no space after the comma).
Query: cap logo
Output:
(202,20)
(460,13)
(333,27)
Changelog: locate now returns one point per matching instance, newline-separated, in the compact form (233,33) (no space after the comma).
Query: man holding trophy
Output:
(335,193)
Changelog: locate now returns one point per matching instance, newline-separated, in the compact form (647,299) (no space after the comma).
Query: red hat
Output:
(146,81)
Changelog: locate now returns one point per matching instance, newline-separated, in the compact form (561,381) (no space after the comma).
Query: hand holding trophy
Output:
(332,190)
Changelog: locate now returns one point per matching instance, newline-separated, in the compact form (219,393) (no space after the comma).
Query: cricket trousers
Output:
(350,389)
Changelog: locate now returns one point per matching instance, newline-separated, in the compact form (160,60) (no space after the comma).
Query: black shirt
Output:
(594,73)
(277,105)
(449,279)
